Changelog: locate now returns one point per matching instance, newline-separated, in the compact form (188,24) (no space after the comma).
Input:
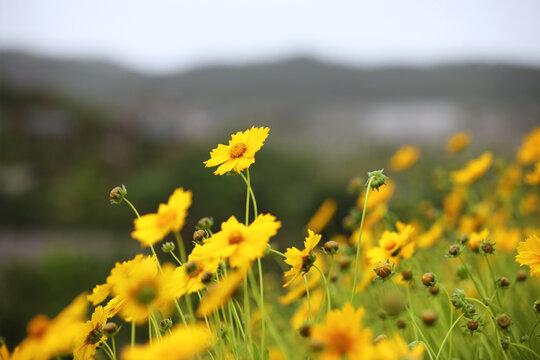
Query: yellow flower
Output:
(301,261)
(189,277)
(529,254)
(430,237)
(404,158)
(452,204)
(506,239)
(241,244)
(99,294)
(393,245)
(142,288)
(298,287)
(476,238)
(88,336)
(342,335)
(323,215)
(529,151)
(458,142)
(151,228)
(240,153)
(184,342)
(510,178)
(301,315)
(396,349)
(533,178)
(473,170)
(218,294)
(49,337)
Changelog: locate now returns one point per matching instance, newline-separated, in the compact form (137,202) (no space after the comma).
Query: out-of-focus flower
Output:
(529,203)
(302,313)
(509,179)
(88,336)
(151,228)
(241,244)
(476,238)
(473,170)
(404,158)
(529,151)
(468,224)
(533,177)
(529,254)
(396,348)
(184,342)
(430,237)
(301,261)
(458,141)
(506,239)
(322,216)
(453,203)
(240,153)
(343,336)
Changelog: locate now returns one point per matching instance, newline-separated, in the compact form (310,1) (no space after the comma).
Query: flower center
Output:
(235,237)
(237,150)
(146,295)
(38,326)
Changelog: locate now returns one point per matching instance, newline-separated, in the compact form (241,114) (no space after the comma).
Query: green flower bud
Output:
(377,179)
(118,194)
(168,247)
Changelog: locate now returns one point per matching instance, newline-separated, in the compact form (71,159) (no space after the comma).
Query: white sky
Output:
(162,35)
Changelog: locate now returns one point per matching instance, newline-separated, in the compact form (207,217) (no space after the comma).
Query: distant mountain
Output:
(296,83)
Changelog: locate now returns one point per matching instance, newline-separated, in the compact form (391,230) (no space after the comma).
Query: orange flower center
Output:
(235,237)
(237,150)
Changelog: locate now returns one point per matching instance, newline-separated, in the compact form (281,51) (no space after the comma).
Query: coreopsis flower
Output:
(142,288)
(322,216)
(404,158)
(301,315)
(376,198)
(240,153)
(529,151)
(529,254)
(241,244)
(393,245)
(218,294)
(49,337)
(533,177)
(506,238)
(431,236)
(297,288)
(89,335)
(196,273)
(476,238)
(151,228)
(4,352)
(453,204)
(342,335)
(184,342)
(301,261)
(473,170)
(458,141)
(396,348)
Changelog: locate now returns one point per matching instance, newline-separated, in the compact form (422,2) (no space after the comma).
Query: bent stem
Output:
(359,239)
(447,335)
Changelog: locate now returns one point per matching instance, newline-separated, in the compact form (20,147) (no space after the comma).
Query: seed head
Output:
(165,325)
(207,277)
(537,306)
(503,321)
(463,239)
(383,269)
(428,279)
(191,267)
(472,325)
(487,247)
(505,343)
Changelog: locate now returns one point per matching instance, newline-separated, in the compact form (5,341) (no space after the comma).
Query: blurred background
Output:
(94,94)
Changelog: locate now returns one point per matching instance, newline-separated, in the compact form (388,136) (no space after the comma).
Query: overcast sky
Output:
(163,35)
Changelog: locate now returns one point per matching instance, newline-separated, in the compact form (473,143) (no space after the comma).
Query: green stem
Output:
(491,274)
(360,238)
(526,348)
(479,288)
(277,252)
(132,207)
(328,302)
(307,294)
(108,350)
(261,303)
(181,248)
(447,335)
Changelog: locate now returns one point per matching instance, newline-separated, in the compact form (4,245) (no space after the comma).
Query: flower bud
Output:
(331,247)
(207,277)
(487,247)
(454,250)
(401,324)
(428,279)
(334,277)
(168,247)
(110,328)
(503,321)
(377,179)
(191,267)
(383,269)
(117,194)
(503,282)
(537,305)
(406,275)
(434,290)
(472,325)
(305,329)
(379,338)
(205,223)
(463,239)
(165,325)
(344,262)
(521,275)
(505,343)
(428,317)
(198,236)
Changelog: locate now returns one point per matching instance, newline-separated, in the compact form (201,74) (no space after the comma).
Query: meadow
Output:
(451,271)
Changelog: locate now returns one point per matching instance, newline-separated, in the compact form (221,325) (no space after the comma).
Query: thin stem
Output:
(329,304)
(491,274)
(252,195)
(108,350)
(181,248)
(261,303)
(132,207)
(526,348)
(277,252)
(307,293)
(157,259)
(447,335)
(479,288)
(359,239)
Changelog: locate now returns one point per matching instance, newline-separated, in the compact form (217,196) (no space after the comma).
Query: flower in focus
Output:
(343,336)
(151,228)
(218,294)
(184,342)
(241,244)
(88,335)
(473,170)
(529,151)
(323,215)
(49,337)
(396,348)
(297,288)
(529,254)
(240,153)
(476,238)
(458,142)
(404,158)
(533,177)
(301,261)
(393,245)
